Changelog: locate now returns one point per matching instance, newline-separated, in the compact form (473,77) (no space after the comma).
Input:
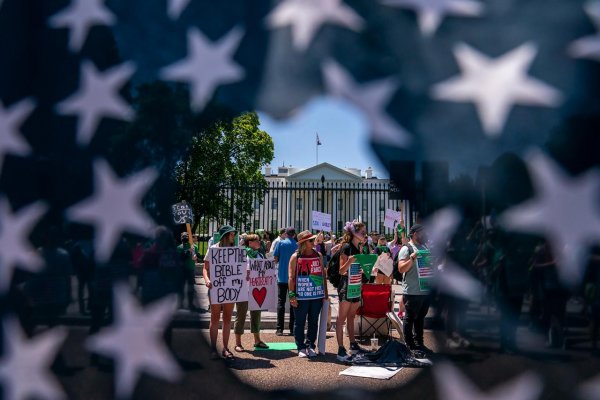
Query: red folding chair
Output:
(376,303)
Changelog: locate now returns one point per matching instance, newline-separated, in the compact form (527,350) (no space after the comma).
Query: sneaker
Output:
(342,356)
(355,348)
(453,343)
(279,332)
(424,349)
(302,353)
(311,352)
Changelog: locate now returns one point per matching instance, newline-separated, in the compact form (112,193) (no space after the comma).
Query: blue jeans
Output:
(310,309)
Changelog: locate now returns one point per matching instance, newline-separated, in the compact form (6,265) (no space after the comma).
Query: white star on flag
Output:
(135,340)
(307,16)
(431,12)
(590,389)
(589,46)
(371,98)
(495,85)
(79,17)
(565,210)
(452,280)
(11,141)
(98,97)
(453,385)
(207,65)
(15,248)
(176,7)
(114,207)
(25,365)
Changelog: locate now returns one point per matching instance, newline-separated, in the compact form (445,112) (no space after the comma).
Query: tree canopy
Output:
(221,173)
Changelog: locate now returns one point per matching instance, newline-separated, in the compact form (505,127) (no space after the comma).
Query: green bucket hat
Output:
(225,229)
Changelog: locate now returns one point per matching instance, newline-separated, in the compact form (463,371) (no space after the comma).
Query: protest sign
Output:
(262,286)
(321,221)
(228,271)
(392,218)
(366,261)
(182,213)
(424,269)
(323,320)
(354,280)
(309,279)
(385,264)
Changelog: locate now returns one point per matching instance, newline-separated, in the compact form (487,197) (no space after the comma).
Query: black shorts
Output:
(343,291)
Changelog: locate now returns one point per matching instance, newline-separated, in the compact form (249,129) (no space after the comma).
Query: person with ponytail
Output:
(355,237)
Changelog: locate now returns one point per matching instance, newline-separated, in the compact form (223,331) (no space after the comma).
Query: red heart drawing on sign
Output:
(259,295)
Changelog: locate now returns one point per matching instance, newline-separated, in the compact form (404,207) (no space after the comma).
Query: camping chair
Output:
(376,303)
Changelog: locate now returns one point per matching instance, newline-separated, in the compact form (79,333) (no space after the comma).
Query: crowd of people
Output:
(512,268)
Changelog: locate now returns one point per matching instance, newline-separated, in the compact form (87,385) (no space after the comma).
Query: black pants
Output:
(189,278)
(416,307)
(281,299)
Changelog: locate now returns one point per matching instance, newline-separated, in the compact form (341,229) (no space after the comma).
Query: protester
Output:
(416,299)
(227,235)
(188,256)
(283,253)
(83,261)
(281,236)
(381,248)
(252,251)
(355,237)
(309,308)
(265,242)
(161,267)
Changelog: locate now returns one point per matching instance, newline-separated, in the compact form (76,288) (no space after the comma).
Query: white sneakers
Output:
(308,352)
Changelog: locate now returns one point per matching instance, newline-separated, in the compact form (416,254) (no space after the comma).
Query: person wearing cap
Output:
(282,255)
(415,298)
(355,238)
(188,257)
(227,235)
(306,309)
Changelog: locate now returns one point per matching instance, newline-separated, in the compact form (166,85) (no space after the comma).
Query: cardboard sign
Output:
(366,261)
(385,264)
(424,269)
(262,286)
(354,280)
(228,275)
(309,279)
(182,213)
(321,221)
(392,218)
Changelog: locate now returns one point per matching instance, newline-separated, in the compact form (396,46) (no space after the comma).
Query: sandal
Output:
(227,355)
(239,348)
(261,345)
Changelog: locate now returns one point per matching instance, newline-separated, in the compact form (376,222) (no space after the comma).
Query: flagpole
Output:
(317,147)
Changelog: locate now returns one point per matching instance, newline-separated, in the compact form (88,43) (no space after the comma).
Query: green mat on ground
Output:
(278,346)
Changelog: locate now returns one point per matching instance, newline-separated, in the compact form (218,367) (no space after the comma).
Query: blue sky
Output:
(342,129)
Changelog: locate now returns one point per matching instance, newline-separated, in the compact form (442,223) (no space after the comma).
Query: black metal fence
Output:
(291,204)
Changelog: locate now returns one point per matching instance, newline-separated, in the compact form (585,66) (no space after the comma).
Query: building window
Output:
(365,204)
(340,226)
(274,227)
(256,204)
(381,228)
(274,204)
(381,204)
(299,203)
(298,226)
(256,224)
(340,204)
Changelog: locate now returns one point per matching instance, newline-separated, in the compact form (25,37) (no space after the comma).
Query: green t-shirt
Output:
(186,256)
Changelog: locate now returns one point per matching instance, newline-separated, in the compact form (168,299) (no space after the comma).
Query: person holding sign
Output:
(414,261)
(308,290)
(253,251)
(227,239)
(355,237)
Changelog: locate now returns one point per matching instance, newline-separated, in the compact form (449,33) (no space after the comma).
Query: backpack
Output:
(397,275)
(333,270)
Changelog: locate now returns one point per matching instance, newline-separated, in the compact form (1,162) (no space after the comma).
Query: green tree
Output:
(221,174)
